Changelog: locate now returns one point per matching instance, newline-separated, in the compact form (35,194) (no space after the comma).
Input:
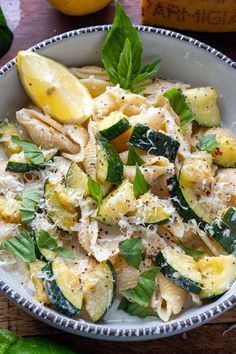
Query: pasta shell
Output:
(79,135)
(93,71)
(153,117)
(95,86)
(150,173)
(90,157)
(126,275)
(44,135)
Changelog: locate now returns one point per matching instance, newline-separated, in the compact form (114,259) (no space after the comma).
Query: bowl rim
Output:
(98,331)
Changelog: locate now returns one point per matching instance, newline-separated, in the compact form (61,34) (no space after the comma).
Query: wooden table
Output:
(32,22)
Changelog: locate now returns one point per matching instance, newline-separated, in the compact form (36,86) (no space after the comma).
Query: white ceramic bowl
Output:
(184,59)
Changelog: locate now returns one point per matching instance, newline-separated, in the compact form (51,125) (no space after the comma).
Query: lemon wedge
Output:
(54,88)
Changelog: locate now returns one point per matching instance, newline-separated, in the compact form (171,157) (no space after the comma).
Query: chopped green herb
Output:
(30,201)
(140,186)
(31,151)
(179,106)
(191,252)
(95,190)
(208,142)
(136,310)
(133,157)
(131,250)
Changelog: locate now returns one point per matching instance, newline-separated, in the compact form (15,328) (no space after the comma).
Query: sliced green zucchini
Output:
(99,290)
(76,182)
(154,142)
(114,125)
(218,274)
(185,201)
(39,294)
(64,215)
(109,164)
(229,219)
(6,131)
(19,163)
(203,103)
(223,235)
(65,290)
(181,269)
(117,203)
(150,211)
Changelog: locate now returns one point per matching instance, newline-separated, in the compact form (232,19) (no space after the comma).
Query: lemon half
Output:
(54,88)
(78,7)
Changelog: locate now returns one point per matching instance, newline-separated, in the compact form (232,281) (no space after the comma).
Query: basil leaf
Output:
(140,186)
(95,190)
(6,35)
(31,151)
(133,157)
(30,201)
(125,65)
(179,106)
(22,246)
(147,72)
(208,142)
(121,30)
(131,250)
(136,310)
(191,252)
(44,240)
(141,294)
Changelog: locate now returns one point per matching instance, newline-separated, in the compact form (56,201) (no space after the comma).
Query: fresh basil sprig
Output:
(6,35)
(44,240)
(191,252)
(122,53)
(30,201)
(179,106)
(131,250)
(136,310)
(95,190)
(22,246)
(140,186)
(207,142)
(141,294)
(133,157)
(31,151)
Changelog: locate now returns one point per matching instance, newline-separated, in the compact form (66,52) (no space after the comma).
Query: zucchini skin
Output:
(22,167)
(56,297)
(115,165)
(179,280)
(180,203)
(115,130)
(155,142)
(223,235)
(229,219)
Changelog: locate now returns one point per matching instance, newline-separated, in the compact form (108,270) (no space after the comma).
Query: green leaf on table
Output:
(95,190)
(44,240)
(122,53)
(133,157)
(141,294)
(131,250)
(31,151)
(136,310)
(191,252)
(208,142)
(140,186)
(179,106)
(6,35)
(29,204)
(22,246)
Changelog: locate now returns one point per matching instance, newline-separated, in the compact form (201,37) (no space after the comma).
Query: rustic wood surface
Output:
(33,21)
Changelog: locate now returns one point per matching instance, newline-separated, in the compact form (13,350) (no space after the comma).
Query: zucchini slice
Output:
(185,201)
(229,219)
(6,131)
(63,217)
(114,125)
(181,269)
(150,211)
(117,203)
(39,294)
(109,164)
(218,274)
(202,101)
(154,142)
(99,290)
(77,181)
(65,291)
(223,235)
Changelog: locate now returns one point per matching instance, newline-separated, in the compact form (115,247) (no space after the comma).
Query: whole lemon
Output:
(78,7)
